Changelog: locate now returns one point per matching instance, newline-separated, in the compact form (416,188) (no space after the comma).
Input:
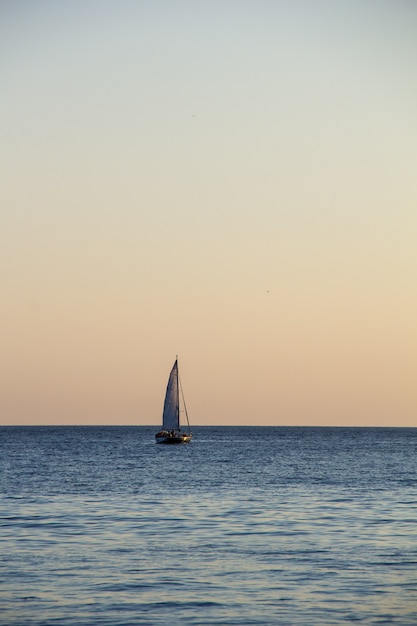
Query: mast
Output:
(178,395)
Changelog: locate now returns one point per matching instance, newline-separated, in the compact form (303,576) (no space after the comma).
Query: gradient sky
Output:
(231,181)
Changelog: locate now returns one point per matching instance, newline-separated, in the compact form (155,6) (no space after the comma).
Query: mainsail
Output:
(171,414)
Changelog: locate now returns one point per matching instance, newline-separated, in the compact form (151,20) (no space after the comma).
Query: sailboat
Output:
(171,429)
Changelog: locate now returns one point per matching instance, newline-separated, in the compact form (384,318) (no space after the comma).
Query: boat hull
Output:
(172,438)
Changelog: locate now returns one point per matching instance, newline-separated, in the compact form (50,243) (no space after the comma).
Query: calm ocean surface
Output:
(101,526)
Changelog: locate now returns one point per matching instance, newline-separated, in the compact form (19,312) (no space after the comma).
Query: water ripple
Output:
(222,546)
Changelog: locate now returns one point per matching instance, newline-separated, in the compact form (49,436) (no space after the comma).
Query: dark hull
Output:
(174,440)
(170,439)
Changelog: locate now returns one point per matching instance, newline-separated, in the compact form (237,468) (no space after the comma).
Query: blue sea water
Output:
(244,526)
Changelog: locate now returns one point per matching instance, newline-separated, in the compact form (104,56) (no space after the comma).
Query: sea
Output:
(243,526)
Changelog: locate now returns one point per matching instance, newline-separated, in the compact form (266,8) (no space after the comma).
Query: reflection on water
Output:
(305,527)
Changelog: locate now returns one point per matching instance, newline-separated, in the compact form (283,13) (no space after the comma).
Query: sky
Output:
(233,182)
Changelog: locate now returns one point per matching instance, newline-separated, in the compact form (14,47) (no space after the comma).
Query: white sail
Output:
(171,414)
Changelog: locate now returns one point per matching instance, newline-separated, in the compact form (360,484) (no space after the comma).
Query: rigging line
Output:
(183,401)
